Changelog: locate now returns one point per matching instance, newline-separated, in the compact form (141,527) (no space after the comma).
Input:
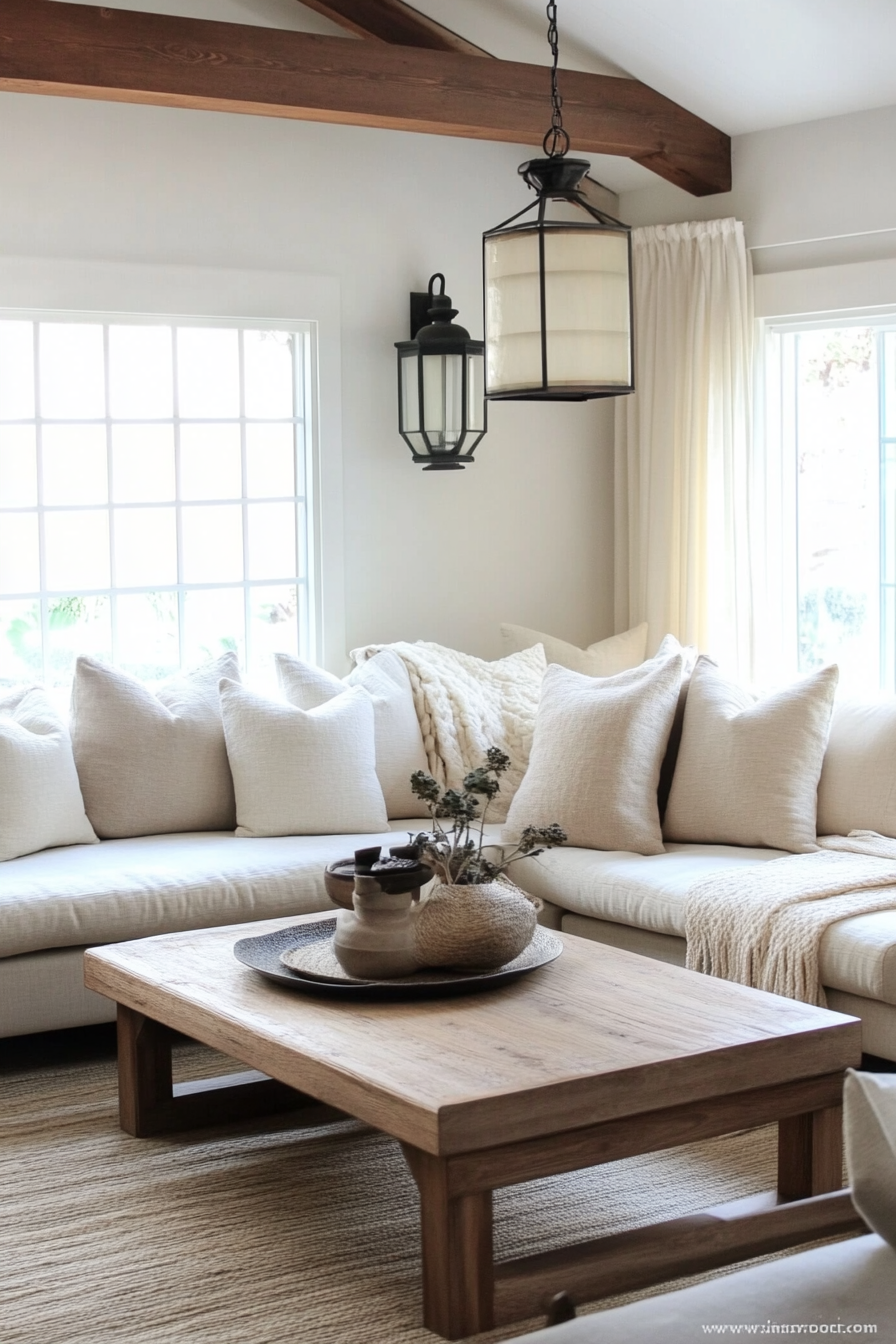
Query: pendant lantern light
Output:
(558,286)
(441,405)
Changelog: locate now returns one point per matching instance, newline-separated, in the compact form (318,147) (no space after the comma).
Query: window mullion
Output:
(244,510)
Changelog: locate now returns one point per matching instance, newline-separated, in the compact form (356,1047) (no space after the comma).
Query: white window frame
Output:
(60,290)
(862,294)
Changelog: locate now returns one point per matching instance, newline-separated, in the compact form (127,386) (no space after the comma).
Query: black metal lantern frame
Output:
(441,381)
(563,180)
(559,321)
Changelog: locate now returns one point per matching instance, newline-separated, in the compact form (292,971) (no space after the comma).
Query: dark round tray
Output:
(263,954)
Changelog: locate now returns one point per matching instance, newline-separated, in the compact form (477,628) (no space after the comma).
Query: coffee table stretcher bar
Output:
(455,1163)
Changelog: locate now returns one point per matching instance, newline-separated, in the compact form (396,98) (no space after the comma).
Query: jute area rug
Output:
(263,1233)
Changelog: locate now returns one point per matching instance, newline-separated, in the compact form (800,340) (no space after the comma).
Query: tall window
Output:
(834,395)
(153,498)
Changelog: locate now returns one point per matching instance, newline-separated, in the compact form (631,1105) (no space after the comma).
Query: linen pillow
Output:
(466,705)
(40,798)
(596,755)
(869,1114)
(603,659)
(152,763)
(302,772)
(857,789)
(399,742)
(747,770)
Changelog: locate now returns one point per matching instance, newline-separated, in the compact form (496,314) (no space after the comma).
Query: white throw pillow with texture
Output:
(869,1115)
(152,762)
(857,789)
(596,755)
(399,742)
(603,659)
(303,772)
(40,798)
(747,770)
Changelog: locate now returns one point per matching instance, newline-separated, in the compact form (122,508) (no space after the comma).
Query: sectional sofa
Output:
(163,851)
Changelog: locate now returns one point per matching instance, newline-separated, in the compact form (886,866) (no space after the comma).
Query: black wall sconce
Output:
(441,384)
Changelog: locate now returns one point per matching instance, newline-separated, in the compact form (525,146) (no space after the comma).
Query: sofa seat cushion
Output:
(853,1282)
(133,888)
(647,891)
(856,955)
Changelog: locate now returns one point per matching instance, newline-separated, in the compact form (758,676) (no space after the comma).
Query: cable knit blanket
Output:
(762,926)
(466,705)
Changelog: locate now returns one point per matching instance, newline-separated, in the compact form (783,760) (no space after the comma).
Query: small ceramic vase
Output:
(479,927)
(375,940)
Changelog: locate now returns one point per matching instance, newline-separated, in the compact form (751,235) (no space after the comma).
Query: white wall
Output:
(525,534)
(819,194)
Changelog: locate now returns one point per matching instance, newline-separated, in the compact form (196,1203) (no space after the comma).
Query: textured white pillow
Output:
(747,770)
(40,798)
(857,789)
(152,763)
(399,742)
(603,659)
(869,1115)
(596,755)
(303,772)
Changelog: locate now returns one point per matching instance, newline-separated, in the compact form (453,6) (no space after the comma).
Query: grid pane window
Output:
(152,502)
(838,387)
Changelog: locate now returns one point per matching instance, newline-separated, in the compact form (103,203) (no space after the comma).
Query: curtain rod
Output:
(828,238)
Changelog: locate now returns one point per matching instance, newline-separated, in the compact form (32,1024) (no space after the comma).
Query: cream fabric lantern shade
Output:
(558,306)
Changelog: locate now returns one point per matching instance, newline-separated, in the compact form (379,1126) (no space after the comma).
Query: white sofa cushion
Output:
(152,763)
(645,890)
(302,772)
(869,1113)
(857,789)
(603,659)
(747,770)
(856,955)
(399,742)
(596,755)
(853,1282)
(134,888)
(40,797)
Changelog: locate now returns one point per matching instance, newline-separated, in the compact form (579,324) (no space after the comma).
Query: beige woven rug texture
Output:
(263,1233)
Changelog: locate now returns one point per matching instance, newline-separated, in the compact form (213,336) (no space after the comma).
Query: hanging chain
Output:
(556,140)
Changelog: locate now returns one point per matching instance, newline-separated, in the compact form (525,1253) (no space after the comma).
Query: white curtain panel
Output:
(683,443)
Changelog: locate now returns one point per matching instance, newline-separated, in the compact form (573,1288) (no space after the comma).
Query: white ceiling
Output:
(743,65)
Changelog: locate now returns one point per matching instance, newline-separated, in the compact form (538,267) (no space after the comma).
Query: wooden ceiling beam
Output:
(84,51)
(394,22)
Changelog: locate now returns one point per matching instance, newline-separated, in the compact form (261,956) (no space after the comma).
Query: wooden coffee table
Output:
(601,1055)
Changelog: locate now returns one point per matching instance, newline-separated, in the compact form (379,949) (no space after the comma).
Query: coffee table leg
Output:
(810,1154)
(144,1071)
(150,1103)
(458,1253)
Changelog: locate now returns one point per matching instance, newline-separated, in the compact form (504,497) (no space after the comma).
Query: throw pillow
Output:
(869,1115)
(152,762)
(399,744)
(466,705)
(303,772)
(40,799)
(603,659)
(596,755)
(747,770)
(857,789)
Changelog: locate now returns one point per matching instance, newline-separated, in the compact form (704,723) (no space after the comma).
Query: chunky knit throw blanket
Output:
(762,926)
(466,705)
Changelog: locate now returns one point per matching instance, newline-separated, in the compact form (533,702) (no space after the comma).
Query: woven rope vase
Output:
(477,927)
